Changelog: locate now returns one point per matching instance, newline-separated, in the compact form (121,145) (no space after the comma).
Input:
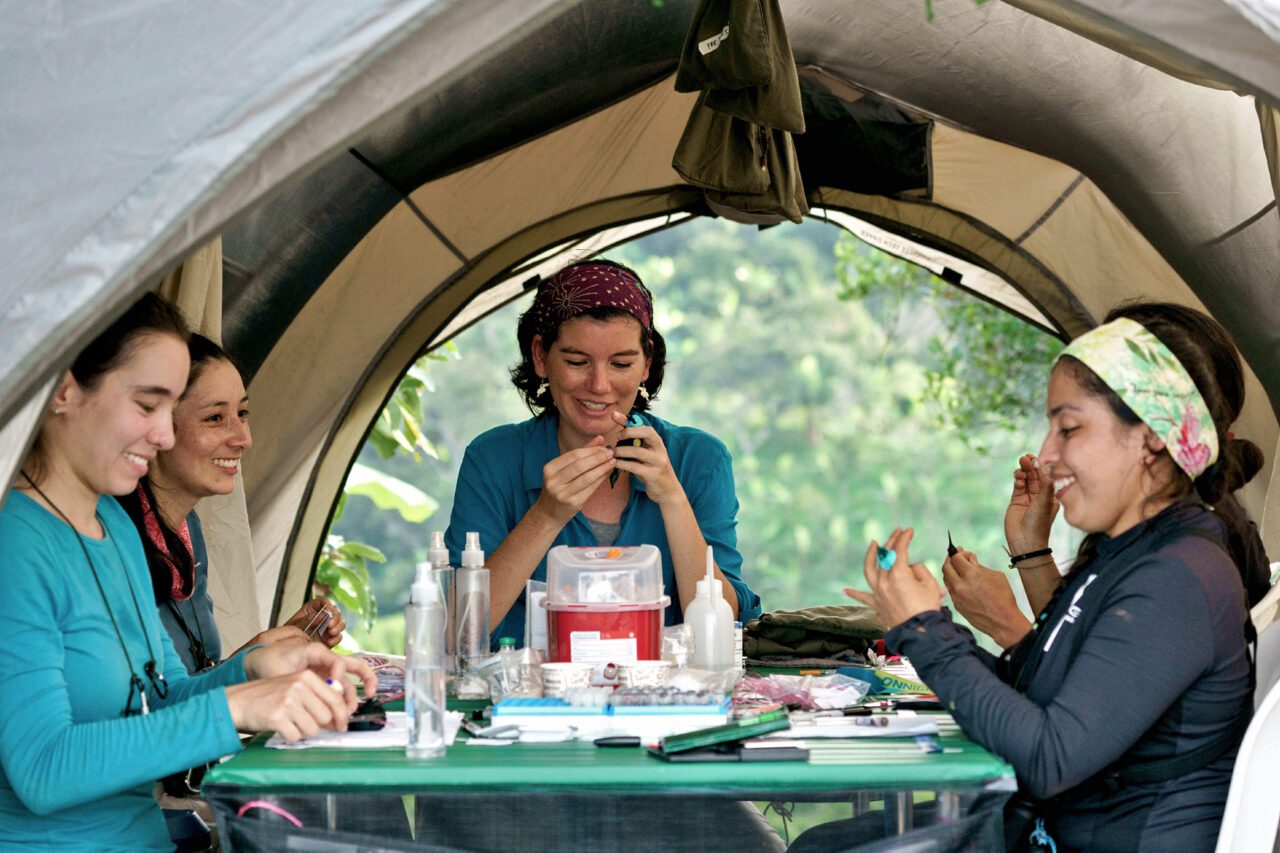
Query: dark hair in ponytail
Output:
(1210,357)
(175,556)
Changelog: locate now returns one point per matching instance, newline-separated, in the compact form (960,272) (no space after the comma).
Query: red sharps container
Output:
(605,605)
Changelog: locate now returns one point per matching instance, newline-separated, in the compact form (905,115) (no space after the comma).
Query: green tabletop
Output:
(833,767)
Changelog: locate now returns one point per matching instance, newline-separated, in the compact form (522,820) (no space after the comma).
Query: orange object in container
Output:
(605,605)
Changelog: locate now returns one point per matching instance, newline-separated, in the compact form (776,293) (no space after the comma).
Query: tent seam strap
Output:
(1049,211)
(417,211)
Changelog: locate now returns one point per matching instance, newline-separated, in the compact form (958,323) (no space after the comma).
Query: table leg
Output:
(902,805)
(948,806)
(331,812)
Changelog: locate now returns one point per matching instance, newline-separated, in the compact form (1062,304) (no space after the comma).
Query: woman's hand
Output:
(296,705)
(1032,508)
(649,461)
(312,623)
(899,593)
(985,598)
(571,478)
(290,658)
(283,634)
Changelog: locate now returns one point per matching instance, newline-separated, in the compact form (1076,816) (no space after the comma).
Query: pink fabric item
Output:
(271,807)
(180,588)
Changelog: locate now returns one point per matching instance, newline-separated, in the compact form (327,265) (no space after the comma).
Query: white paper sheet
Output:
(394,735)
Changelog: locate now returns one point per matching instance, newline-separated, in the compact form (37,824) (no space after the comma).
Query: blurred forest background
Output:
(855,391)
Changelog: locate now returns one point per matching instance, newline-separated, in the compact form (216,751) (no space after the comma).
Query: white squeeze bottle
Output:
(471,604)
(712,621)
(425,621)
(438,557)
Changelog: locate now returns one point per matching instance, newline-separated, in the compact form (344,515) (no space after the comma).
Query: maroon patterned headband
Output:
(579,288)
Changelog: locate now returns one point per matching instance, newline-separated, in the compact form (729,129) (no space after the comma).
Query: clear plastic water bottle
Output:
(425,621)
(507,678)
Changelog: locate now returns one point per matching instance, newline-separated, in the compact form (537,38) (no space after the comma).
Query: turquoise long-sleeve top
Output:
(501,478)
(75,773)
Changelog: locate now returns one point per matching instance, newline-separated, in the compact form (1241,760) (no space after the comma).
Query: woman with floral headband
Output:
(573,474)
(986,599)
(1121,709)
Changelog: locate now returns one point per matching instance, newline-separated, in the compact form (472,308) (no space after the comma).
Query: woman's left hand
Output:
(897,594)
(288,658)
(311,620)
(649,461)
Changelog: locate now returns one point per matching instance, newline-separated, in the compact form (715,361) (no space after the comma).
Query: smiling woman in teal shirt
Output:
(579,473)
(501,479)
(94,701)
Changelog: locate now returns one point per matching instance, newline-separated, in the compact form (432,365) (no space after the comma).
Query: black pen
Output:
(952,550)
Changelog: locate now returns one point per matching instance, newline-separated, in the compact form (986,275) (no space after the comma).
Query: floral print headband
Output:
(1148,377)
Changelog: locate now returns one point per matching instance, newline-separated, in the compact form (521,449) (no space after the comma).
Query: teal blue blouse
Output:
(501,478)
(75,774)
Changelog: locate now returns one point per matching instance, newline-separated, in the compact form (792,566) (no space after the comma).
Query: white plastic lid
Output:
(425,590)
(472,555)
(619,575)
(437,553)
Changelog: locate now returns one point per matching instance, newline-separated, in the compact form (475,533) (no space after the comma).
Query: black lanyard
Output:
(158,683)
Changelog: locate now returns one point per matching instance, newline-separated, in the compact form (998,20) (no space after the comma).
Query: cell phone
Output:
(370,716)
(748,727)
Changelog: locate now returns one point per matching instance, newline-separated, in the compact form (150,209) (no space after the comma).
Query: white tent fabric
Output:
(133,133)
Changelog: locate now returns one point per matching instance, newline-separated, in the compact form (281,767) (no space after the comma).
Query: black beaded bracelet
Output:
(1030,555)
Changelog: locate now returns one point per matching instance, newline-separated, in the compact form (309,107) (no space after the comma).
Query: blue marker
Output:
(885,557)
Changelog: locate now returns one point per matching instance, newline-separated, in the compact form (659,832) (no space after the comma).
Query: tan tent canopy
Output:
(1050,156)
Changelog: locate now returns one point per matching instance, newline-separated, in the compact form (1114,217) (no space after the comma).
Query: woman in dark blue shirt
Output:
(1140,654)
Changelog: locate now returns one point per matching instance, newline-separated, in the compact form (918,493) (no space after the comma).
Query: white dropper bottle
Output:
(425,627)
(711,619)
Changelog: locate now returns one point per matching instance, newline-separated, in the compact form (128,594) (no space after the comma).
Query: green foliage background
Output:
(855,392)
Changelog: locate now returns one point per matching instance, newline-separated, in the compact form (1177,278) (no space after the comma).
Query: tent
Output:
(334,187)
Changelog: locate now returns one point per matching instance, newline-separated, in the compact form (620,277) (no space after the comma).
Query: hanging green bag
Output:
(720,152)
(784,199)
(773,104)
(727,47)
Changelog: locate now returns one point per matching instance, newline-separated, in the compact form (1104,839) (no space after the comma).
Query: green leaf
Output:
(364,552)
(414,505)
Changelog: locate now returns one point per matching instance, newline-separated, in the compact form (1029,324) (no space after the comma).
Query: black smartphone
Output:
(370,716)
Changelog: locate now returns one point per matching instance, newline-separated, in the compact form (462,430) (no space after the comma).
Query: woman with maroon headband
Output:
(572,475)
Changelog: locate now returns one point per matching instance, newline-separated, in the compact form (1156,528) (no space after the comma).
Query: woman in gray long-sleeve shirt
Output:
(1140,654)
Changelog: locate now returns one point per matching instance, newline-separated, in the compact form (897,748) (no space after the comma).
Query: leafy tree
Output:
(987,366)
(343,567)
